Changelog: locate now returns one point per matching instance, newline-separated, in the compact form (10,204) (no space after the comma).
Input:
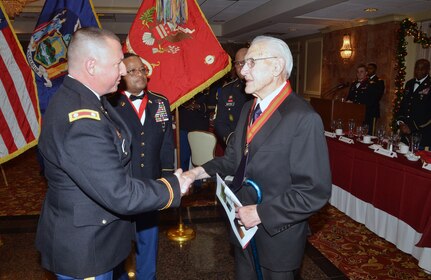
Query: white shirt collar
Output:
(264,103)
(128,94)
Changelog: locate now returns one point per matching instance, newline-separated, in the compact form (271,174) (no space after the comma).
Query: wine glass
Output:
(339,127)
(365,129)
(351,126)
(380,135)
(415,141)
(333,125)
(359,132)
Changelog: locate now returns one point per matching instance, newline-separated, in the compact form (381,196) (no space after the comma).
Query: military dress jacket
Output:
(288,160)
(415,109)
(84,227)
(229,104)
(153,142)
(368,94)
(378,89)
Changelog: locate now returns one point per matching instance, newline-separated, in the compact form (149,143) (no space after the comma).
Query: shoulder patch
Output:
(84,114)
(158,95)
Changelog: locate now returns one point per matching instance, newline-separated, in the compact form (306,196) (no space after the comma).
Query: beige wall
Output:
(371,43)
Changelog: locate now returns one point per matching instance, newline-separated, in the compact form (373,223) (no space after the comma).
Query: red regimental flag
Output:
(19,112)
(183,59)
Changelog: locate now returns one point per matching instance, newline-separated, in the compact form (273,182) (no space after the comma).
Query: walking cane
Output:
(256,261)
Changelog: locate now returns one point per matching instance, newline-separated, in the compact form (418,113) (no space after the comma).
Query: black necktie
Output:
(256,113)
(134,97)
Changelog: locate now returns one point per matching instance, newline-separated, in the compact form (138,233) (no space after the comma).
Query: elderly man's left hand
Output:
(247,216)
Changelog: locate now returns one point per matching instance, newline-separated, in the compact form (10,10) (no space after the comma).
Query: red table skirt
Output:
(394,185)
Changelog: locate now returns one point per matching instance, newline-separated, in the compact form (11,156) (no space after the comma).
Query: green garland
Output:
(410,28)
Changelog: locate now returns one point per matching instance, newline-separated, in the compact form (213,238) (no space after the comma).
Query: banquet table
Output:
(390,196)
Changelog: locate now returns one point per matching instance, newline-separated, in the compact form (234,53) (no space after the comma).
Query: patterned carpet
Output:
(350,246)
(26,188)
(357,252)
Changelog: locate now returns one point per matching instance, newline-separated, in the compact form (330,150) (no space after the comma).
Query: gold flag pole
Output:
(182,233)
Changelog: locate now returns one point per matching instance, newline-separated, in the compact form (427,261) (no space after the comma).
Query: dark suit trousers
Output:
(244,267)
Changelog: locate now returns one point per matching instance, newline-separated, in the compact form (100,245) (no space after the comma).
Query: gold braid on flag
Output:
(172,11)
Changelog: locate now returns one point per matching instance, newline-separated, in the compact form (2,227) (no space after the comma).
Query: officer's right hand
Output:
(185,180)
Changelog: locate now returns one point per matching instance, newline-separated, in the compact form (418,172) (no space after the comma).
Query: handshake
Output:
(187,178)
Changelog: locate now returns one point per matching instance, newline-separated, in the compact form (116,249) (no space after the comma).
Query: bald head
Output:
(95,59)
(88,42)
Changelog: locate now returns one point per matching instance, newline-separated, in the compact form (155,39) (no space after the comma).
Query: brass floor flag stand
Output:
(182,233)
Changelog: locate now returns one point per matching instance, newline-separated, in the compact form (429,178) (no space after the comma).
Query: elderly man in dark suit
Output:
(84,228)
(415,108)
(148,117)
(283,150)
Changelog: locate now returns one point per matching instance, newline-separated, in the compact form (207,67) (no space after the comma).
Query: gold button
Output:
(142,144)
(142,133)
(142,165)
(142,155)
(104,221)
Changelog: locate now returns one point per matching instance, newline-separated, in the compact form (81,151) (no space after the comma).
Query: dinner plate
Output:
(371,142)
(399,151)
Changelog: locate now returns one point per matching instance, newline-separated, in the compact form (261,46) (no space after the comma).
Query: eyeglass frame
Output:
(134,71)
(251,62)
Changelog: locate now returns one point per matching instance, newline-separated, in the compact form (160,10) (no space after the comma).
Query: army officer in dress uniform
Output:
(230,101)
(148,117)
(415,108)
(84,228)
(362,92)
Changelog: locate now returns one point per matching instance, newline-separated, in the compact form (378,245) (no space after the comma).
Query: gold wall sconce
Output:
(346,50)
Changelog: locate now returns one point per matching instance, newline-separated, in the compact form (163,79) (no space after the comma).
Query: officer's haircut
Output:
(88,40)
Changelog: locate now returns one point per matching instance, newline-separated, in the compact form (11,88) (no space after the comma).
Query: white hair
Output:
(278,48)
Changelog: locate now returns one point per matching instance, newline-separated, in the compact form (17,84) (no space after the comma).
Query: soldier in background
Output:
(231,99)
(415,108)
(363,92)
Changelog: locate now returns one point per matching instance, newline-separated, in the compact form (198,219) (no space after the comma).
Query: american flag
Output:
(19,111)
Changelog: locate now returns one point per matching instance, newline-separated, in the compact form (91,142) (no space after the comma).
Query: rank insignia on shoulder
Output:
(83,114)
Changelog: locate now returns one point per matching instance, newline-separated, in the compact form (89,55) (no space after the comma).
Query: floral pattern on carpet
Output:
(358,252)
(350,246)
(22,174)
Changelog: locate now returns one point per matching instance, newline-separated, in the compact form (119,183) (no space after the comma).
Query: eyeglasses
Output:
(250,61)
(134,72)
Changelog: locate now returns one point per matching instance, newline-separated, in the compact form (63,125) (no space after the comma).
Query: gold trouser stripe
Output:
(171,193)
(90,278)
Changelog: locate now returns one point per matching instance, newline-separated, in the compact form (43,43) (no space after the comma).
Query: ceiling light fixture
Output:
(371,10)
